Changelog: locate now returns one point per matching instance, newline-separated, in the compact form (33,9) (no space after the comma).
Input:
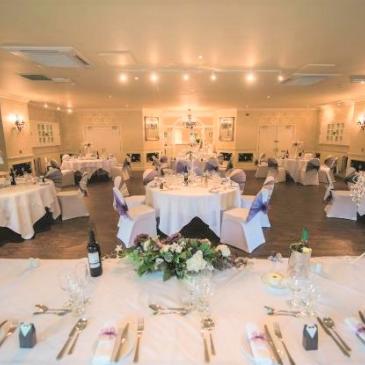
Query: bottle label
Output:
(94,260)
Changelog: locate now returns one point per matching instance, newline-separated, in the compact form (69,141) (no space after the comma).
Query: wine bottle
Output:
(12,176)
(94,255)
(186,175)
(97,155)
(305,237)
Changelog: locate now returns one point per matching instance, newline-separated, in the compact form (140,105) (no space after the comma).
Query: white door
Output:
(105,139)
(267,137)
(285,137)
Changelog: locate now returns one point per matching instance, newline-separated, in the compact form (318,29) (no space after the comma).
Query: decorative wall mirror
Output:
(151,128)
(226,129)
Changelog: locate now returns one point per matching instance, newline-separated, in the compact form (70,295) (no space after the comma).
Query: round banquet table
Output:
(22,205)
(293,166)
(88,165)
(178,206)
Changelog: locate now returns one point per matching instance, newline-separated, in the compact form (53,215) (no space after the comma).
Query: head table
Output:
(24,204)
(239,297)
(179,204)
(88,165)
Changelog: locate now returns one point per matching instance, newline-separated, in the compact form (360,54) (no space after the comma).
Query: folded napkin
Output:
(261,354)
(357,327)
(105,346)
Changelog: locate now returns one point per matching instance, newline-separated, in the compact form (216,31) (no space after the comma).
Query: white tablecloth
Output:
(178,207)
(239,298)
(90,165)
(22,205)
(293,166)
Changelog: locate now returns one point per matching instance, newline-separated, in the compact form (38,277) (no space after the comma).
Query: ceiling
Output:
(195,36)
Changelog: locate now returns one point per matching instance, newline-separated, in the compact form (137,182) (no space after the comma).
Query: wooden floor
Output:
(292,207)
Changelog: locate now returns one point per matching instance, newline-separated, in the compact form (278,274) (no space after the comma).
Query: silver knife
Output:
(65,346)
(362,317)
(272,345)
(122,340)
(3,322)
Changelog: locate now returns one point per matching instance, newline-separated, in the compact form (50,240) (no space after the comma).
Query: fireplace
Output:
(22,167)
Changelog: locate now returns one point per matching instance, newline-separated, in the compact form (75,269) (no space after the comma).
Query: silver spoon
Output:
(281,312)
(329,323)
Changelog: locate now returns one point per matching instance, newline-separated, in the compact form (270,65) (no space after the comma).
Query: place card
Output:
(27,335)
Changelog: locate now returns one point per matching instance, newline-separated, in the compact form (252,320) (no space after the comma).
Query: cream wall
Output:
(348,113)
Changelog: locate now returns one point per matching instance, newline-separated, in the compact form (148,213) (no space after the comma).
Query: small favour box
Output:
(310,337)
(27,336)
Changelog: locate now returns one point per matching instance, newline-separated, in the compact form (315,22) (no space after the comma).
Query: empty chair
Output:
(247,201)
(326,171)
(164,162)
(133,200)
(262,167)
(72,201)
(66,157)
(328,193)
(341,206)
(351,176)
(273,169)
(61,178)
(309,173)
(125,169)
(181,165)
(308,155)
(198,167)
(133,221)
(149,175)
(241,227)
(211,165)
(239,177)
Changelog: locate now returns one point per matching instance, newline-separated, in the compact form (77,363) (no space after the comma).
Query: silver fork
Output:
(140,329)
(8,333)
(209,324)
(280,337)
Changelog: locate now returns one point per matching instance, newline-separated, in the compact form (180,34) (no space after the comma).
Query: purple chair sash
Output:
(120,206)
(258,205)
(211,165)
(313,165)
(149,177)
(163,159)
(180,166)
(272,163)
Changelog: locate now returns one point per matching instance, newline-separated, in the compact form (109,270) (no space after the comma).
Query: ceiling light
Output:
(45,105)
(123,77)
(213,77)
(153,77)
(186,77)
(268,97)
(109,96)
(280,78)
(362,82)
(250,77)
(136,78)
(200,57)
(69,111)
(58,108)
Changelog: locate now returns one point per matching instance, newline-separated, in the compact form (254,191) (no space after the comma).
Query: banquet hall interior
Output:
(239,123)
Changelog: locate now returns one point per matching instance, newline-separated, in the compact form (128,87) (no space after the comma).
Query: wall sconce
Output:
(18,121)
(361,122)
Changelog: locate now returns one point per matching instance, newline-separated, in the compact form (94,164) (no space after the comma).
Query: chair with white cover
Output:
(262,167)
(309,173)
(326,171)
(239,177)
(133,221)
(72,201)
(198,167)
(241,227)
(66,178)
(278,172)
(247,201)
(308,155)
(341,206)
(125,169)
(149,175)
(351,176)
(131,200)
(181,165)
(66,157)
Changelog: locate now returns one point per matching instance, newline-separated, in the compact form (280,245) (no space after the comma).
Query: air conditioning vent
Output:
(50,56)
(35,77)
(357,79)
(304,80)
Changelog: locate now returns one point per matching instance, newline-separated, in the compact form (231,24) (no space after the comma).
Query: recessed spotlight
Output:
(200,57)
(123,77)
(280,78)
(136,78)
(58,108)
(268,97)
(109,96)
(250,77)
(186,77)
(154,77)
(213,77)
(362,82)
(69,111)
(45,105)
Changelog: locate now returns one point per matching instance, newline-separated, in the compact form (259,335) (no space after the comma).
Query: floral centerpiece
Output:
(176,256)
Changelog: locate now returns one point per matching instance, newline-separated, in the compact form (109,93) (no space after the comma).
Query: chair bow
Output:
(260,204)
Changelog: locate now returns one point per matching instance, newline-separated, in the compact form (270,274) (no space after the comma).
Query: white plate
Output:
(275,280)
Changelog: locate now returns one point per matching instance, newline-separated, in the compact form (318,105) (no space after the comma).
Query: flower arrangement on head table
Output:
(176,256)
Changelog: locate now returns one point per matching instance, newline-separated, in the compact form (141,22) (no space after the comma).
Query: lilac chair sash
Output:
(211,165)
(313,164)
(149,175)
(260,204)
(180,166)
(119,204)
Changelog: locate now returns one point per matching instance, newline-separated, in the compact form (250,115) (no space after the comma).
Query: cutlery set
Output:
(207,326)
(158,309)
(43,309)
(281,312)
(119,343)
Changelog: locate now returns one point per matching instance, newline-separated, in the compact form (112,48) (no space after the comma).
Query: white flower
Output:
(118,248)
(175,247)
(225,251)
(196,262)
(306,250)
(158,262)
(146,245)
(206,241)
(165,248)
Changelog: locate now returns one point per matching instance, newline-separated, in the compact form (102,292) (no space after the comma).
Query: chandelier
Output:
(189,122)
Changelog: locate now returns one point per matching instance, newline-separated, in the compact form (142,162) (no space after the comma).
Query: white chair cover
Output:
(83,183)
(309,173)
(239,177)
(180,166)
(133,221)
(198,167)
(212,164)
(149,175)
(66,157)
(341,206)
